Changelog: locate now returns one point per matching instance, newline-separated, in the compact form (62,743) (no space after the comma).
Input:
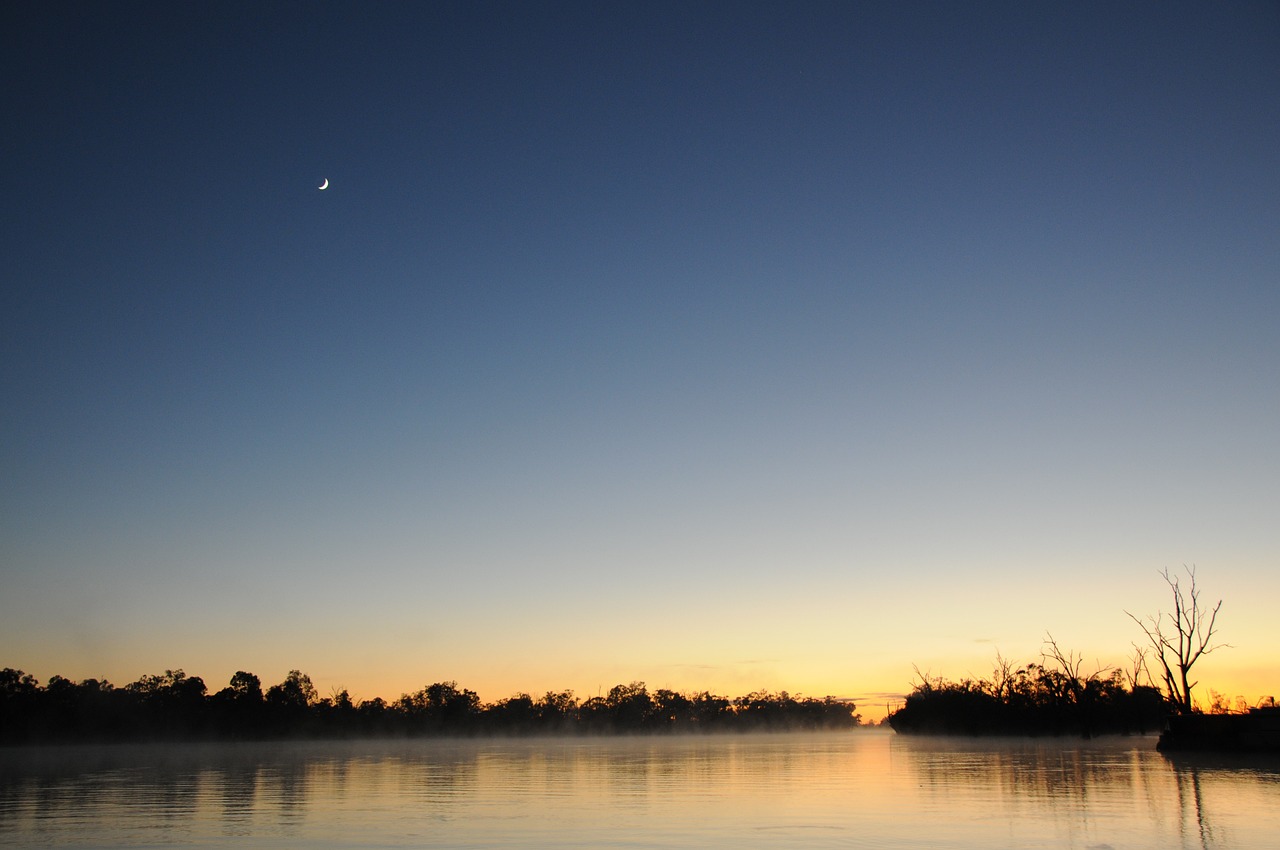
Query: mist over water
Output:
(858,789)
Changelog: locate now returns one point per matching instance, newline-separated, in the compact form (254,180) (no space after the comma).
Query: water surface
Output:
(864,789)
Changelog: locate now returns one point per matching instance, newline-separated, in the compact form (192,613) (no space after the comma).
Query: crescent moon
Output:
(324,185)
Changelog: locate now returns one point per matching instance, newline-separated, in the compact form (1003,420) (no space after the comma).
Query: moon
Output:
(324,185)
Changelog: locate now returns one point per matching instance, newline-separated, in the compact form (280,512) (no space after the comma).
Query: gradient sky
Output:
(720,346)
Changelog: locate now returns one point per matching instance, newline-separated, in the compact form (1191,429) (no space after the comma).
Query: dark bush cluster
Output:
(175,706)
(1032,700)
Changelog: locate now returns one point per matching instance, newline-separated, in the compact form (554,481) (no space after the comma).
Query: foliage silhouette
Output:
(174,706)
(1034,699)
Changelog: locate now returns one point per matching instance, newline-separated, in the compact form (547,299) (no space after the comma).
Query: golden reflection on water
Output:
(862,789)
(1111,793)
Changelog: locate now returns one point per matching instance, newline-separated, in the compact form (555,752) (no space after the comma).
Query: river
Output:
(862,789)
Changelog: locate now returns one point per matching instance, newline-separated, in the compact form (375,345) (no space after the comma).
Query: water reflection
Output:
(865,789)
(1203,779)
(1104,792)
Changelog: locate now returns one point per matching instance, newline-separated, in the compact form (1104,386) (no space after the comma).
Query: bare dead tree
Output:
(1181,637)
(1068,662)
(927,682)
(1139,674)
(1071,665)
(1003,676)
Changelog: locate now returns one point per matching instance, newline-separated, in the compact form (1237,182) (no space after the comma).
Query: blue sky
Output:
(716,345)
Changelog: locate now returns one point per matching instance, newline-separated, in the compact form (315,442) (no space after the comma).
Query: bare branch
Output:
(1192,626)
(1138,671)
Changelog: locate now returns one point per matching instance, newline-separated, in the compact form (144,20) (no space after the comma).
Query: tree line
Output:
(1057,697)
(1053,697)
(175,706)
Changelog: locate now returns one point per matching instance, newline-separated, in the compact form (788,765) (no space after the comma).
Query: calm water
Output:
(866,789)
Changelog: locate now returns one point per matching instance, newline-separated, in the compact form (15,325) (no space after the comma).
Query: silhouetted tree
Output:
(762,709)
(710,711)
(630,706)
(172,704)
(239,709)
(19,693)
(595,715)
(672,710)
(557,711)
(247,687)
(441,707)
(1181,637)
(286,705)
(335,715)
(296,691)
(517,714)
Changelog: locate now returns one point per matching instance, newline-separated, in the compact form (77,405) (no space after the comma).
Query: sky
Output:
(721,346)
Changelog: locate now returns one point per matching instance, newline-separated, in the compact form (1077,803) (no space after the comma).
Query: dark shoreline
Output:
(174,707)
(1257,731)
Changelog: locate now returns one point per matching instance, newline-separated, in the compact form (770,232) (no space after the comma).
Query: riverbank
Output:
(1257,731)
